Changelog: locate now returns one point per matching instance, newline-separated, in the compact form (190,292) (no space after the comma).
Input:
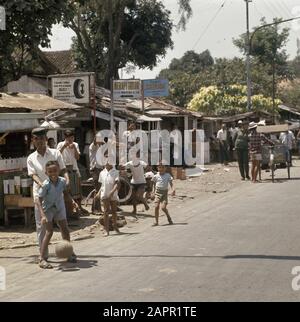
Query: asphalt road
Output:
(236,246)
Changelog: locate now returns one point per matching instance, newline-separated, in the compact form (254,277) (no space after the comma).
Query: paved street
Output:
(239,245)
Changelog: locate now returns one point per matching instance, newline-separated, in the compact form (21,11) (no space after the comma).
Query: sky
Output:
(211,27)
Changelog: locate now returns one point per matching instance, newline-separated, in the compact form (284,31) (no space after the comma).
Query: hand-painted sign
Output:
(156,87)
(127,88)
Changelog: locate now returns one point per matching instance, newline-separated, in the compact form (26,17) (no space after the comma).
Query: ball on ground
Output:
(64,249)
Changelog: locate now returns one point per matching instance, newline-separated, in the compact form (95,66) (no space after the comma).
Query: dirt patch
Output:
(218,179)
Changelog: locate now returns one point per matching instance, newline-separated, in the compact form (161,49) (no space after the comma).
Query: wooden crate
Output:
(12,200)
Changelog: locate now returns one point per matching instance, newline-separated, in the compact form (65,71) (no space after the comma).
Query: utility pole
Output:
(248,66)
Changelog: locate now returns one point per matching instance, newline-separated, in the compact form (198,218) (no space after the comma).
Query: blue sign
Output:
(156,87)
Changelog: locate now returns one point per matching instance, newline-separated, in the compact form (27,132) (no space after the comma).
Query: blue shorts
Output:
(57,214)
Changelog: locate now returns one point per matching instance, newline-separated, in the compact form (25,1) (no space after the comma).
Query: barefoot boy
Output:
(161,184)
(109,179)
(138,182)
(52,207)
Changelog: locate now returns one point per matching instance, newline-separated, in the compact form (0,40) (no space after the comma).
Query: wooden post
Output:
(143,97)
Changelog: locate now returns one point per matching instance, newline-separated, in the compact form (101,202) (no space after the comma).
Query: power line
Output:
(209,24)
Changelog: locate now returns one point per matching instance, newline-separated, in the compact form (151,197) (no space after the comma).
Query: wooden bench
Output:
(17,202)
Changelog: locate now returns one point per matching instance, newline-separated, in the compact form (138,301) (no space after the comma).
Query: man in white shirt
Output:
(222,137)
(95,170)
(71,154)
(288,139)
(138,182)
(36,163)
(109,179)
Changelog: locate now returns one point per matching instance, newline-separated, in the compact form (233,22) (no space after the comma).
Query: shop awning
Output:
(145,118)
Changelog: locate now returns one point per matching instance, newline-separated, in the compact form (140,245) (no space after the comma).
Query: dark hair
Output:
(50,163)
(68,133)
(51,139)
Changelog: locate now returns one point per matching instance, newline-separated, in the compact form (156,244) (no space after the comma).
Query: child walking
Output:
(52,207)
(161,181)
(109,179)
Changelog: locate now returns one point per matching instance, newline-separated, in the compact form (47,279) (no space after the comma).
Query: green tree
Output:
(192,62)
(28,25)
(231,100)
(223,73)
(289,93)
(268,47)
(111,34)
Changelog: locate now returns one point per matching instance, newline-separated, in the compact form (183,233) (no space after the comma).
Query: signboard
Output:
(71,89)
(127,88)
(156,87)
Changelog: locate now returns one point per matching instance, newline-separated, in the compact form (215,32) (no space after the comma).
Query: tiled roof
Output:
(62,60)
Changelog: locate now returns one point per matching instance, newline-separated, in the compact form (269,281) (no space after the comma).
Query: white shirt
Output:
(36,164)
(138,174)
(233,131)
(108,179)
(68,154)
(222,135)
(287,139)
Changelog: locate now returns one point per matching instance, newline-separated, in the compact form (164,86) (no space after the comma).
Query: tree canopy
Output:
(112,34)
(231,100)
(28,25)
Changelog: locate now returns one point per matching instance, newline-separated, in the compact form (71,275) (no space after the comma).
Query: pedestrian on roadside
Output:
(288,140)
(71,154)
(51,206)
(109,179)
(36,166)
(255,148)
(241,141)
(138,182)
(161,181)
(223,137)
(51,143)
(95,169)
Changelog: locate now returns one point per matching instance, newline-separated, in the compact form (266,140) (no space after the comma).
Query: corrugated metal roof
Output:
(34,102)
(289,109)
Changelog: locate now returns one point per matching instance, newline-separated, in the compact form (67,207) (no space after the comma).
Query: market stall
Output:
(19,114)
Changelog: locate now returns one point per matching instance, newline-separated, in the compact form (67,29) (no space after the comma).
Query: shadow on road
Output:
(174,224)
(91,263)
(272,257)
(81,264)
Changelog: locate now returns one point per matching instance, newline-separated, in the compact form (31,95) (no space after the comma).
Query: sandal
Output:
(44,264)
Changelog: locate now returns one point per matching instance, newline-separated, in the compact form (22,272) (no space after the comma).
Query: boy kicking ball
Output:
(52,207)
(161,181)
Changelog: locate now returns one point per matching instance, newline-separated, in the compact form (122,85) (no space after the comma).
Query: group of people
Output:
(56,179)
(247,142)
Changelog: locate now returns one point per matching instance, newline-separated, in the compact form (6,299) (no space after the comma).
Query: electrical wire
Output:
(209,24)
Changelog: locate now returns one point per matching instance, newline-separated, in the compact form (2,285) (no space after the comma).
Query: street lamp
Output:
(249,51)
